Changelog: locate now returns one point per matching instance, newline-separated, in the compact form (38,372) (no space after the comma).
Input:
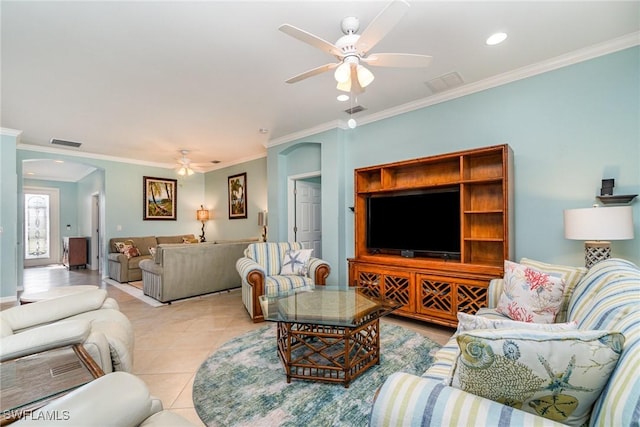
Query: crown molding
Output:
(10,132)
(575,57)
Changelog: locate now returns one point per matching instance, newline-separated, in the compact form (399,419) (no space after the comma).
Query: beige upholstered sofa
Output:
(89,318)
(180,271)
(125,269)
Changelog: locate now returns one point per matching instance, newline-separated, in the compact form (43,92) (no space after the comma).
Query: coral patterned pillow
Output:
(530,295)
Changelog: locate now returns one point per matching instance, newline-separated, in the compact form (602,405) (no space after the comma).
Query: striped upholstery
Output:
(267,258)
(606,298)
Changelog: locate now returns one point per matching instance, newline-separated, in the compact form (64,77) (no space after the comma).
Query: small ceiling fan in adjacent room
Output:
(185,166)
(353,50)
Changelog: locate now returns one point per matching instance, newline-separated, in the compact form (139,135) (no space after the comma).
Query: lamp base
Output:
(202,239)
(596,251)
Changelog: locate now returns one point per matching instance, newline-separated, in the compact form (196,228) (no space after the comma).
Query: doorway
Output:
(41,226)
(305,208)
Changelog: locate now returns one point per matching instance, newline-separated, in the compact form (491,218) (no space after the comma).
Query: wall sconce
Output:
(262,222)
(202,215)
(597,226)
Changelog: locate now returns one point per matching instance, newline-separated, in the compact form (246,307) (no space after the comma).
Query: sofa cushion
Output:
(275,285)
(470,322)
(174,239)
(570,275)
(296,262)
(530,295)
(557,375)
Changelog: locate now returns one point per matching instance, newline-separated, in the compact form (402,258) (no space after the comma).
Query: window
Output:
(37,226)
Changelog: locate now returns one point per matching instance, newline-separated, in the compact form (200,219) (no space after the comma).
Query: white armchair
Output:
(89,318)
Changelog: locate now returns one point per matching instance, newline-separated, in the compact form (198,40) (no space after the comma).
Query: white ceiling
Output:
(144,79)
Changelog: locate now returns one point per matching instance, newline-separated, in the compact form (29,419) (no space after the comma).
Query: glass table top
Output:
(327,305)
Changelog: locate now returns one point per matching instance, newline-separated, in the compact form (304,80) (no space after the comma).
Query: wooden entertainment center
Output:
(435,289)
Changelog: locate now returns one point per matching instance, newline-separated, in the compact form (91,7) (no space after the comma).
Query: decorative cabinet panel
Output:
(435,289)
(395,285)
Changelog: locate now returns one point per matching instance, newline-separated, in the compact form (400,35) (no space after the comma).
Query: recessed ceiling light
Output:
(496,38)
(263,130)
(343,98)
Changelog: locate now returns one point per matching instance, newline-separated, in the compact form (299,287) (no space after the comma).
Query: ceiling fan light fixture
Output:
(345,87)
(343,72)
(365,77)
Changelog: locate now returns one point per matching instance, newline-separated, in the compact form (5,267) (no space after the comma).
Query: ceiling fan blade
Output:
(311,39)
(400,60)
(313,72)
(381,25)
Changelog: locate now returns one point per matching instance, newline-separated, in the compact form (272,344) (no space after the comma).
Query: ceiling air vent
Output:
(65,143)
(355,109)
(445,82)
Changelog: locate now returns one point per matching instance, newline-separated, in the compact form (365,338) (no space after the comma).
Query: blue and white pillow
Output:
(296,262)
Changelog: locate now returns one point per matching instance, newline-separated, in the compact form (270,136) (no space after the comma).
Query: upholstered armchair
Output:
(89,318)
(272,268)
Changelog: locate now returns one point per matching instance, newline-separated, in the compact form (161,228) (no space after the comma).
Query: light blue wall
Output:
(220,227)
(8,217)
(568,128)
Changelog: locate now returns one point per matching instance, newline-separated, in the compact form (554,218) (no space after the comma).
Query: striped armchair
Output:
(606,298)
(260,272)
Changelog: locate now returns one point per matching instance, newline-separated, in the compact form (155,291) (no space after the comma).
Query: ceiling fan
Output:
(351,50)
(185,166)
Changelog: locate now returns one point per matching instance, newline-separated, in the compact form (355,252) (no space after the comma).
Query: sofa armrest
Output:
(48,311)
(319,270)
(408,400)
(44,338)
(116,399)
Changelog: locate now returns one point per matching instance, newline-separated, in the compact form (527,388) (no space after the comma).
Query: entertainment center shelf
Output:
(435,289)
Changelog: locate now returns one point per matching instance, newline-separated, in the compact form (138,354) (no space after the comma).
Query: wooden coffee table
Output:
(327,334)
(30,382)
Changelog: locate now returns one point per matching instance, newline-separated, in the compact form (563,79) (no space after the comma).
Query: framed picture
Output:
(159,198)
(237,196)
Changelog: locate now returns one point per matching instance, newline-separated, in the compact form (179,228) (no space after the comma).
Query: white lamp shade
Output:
(614,223)
(343,72)
(365,77)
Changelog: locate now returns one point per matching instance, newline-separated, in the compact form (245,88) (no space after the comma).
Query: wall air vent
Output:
(355,109)
(65,143)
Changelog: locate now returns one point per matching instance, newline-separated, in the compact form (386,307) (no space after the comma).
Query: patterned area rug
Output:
(244,384)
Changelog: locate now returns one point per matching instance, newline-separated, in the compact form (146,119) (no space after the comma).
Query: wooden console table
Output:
(30,382)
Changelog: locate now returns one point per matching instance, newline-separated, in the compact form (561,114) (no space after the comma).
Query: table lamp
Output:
(262,222)
(202,215)
(597,226)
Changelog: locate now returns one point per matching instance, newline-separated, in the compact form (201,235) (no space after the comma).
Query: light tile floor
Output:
(172,341)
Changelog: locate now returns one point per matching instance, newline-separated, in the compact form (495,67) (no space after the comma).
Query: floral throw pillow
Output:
(296,262)
(530,295)
(556,375)
(131,252)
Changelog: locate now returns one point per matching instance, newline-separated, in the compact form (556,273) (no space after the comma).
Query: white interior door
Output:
(308,221)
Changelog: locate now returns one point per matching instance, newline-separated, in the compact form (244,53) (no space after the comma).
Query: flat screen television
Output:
(421,224)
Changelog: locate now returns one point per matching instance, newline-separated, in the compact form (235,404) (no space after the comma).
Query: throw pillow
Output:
(557,375)
(470,322)
(296,262)
(131,252)
(152,250)
(529,295)
(190,240)
(571,276)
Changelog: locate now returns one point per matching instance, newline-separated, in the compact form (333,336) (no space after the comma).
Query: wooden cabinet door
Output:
(395,285)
